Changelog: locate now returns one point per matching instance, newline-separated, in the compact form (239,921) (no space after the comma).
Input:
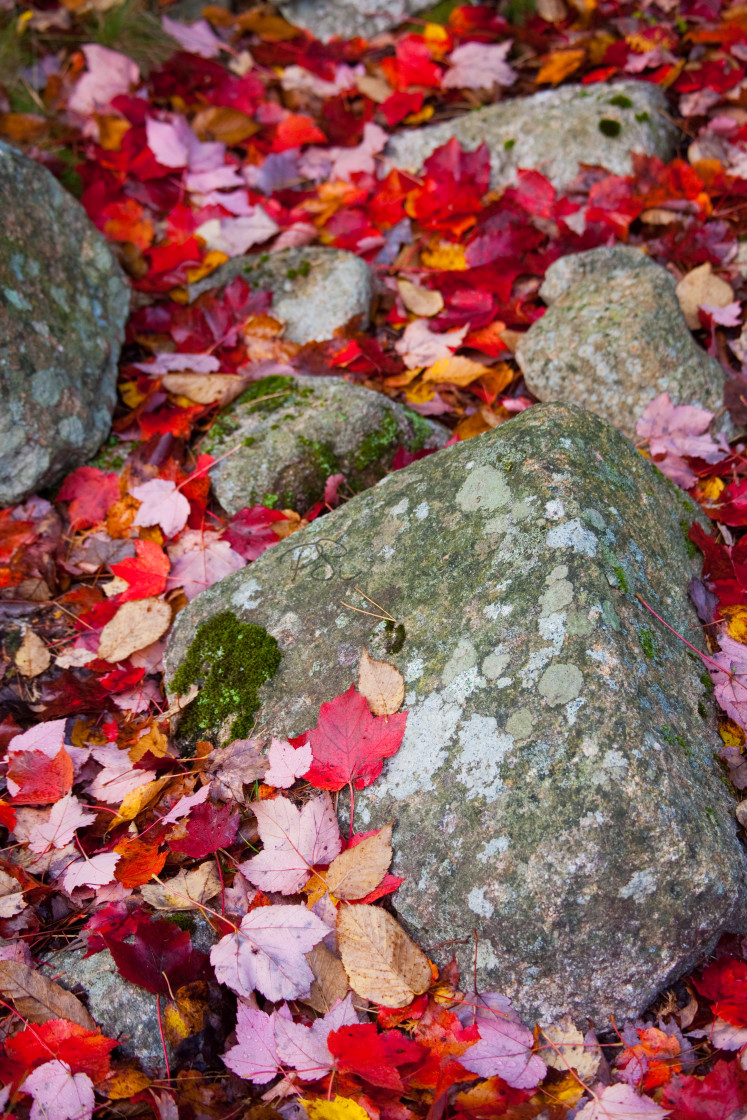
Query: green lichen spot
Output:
(670,736)
(269,501)
(322,455)
(610,128)
(691,548)
(621,100)
(229,660)
(421,430)
(270,394)
(376,443)
(706,680)
(508,144)
(646,638)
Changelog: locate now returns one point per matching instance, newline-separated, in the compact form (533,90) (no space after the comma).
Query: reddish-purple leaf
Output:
(161,958)
(209,827)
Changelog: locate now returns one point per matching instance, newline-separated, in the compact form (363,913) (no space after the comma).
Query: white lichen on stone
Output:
(422,511)
(520,723)
(560,684)
(485,490)
(554,510)
(493,848)
(572,534)
(414,669)
(483,749)
(639,886)
(479,904)
(246,596)
(495,663)
(464,657)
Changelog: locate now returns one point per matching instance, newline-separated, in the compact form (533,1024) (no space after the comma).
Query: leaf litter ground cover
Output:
(190,145)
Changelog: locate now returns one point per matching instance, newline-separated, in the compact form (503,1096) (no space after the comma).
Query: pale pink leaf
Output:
(678,431)
(59,1094)
(96,871)
(621,1102)
(118,778)
(348,161)
(305,1048)
(200,559)
(294,841)
(197,38)
(109,75)
(728,316)
(66,815)
(176,363)
(267,952)
(185,805)
(161,504)
(255,1056)
(234,236)
(722,1035)
(170,143)
(45,737)
(420,346)
(286,763)
(479,66)
(505,1046)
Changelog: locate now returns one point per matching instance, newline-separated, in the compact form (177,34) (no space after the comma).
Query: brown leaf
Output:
(382,685)
(38,999)
(186,891)
(135,625)
(32,657)
(381,961)
(357,871)
(229,126)
(421,301)
(204,388)
(700,287)
(330,979)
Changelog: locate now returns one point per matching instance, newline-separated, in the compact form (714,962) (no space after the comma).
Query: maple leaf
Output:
(505,1046)
(162,504)
(349,744)
(95,871)
(197,38)
(620,1102)
(374,1056)
(65,817)
(146,572)
(90,492)
(109,74)
(678,431)
(305,1049)
(717,1096)
(267,952)
(294,842)
(250,532)
(209,827)
(59,1094)
(84,1051)
(118,778)
(287,763)
(185,805)
(160,959)
(479,66)
(724,982)
(35,779)
(255,1055)
(199,560)
(420,346)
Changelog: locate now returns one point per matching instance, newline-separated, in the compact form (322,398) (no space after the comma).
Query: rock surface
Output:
(63,306)
(316,290)
(556,789)
(294,432)
(554,131)
(348,18)
(614,338)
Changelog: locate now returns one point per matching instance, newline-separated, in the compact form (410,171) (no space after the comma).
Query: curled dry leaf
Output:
(357,871)
(382,685)
(421,301)
(565,1048)
(701,287)
(330,979)
(38,998)
(381,961)
(188,890)
(32,657)
(204,388)
(135,625)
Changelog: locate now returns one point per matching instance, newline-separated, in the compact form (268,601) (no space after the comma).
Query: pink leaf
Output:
(162,505)
(305,1048)
(234,236)
(505,1046)
(255,1056)
(109,74)
(66,815)
(267,952)
(199,560)
(349,161)
(479,66)
(170,143)
(286,763)
(420,346)
(678,431)
(621,1102)
(45,737)
(197,38)
(94,872)
(118,778)
(58,1094)
(728,316)
(294,842)
(185,804)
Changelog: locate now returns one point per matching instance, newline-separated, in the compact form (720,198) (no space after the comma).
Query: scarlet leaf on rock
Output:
(349,744)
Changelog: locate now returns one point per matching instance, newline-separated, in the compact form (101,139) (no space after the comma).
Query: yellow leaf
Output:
(130,393)
(357,871)
(209,264)
(445,256)
(455,369)
(562,1047)
(136,624)
(732,734)
(711,488)
(224,124)
(186,891)
(153,740)
(559,65)
(138,798)
(736,618)
(418,393)
(123,1084)
(316,888)
(381,961)
(112,132)
(341,1108)
(437,39)
(471,426)
(382,685)
(421,301)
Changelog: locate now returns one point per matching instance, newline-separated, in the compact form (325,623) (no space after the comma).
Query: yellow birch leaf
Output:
(699,287)
(455,369)
(341,1108)
(445,256)
(736,618)
(138,798)
(136,624)
(123,1084)
(359,870)
(383,964)
(382,685)
(153,740)
(203,388)
(559,65)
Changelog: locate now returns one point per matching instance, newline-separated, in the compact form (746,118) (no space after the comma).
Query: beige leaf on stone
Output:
(204,388)
(700,287)
(381,961)
(382,685)
(32,657)
(12,901)
(134,626)
(188,890)
(357,871)
(38,999)
(565,1048)
(330,979)
(421,301)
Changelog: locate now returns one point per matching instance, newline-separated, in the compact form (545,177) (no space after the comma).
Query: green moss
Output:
(322,455)
(421,430)
(706,680)
(703,710)
(610,128)
(270,501)
(622,579)
(621,100)
(248,441)
(509,144)
(643,118)
(377,443)
(275,387)
(181,919)
(692,550)
(646,638)
(670,736)
(229,660)
(395,636)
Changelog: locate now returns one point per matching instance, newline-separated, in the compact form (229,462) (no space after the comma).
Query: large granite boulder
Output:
(556,790)
(348,18)
(63,305)
(614,338)
(294,432)
(554,131)
(315,290)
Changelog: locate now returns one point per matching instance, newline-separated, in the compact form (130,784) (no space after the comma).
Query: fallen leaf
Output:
(36,779)
(65,817)
(38,998)
(620,1102)
(505,1045)
(138,798)
(204,388)
(361,1049)
(294,841)
(209,828)
(32,656)
(287,763)
(162,504)
(357,871)
(420,301)
(341,1108)
(567,1049)
(222,123)
(349,744)
(699,287)
(124,1084)
(58,1093)
(559,66)
(381,961)
(330,979)
(479,66)
(95,871)
(136,624)
(255,1056)
(420,346)
(186,891)
(161,958)
(304,1048)
(455,369)
(267,952)
(382,685)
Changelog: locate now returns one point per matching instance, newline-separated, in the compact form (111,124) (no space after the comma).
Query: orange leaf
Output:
(140,861)
(559,65)
(42,780)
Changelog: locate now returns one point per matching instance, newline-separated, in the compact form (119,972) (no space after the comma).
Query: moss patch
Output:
(229,660)
(376,443)
(646,638)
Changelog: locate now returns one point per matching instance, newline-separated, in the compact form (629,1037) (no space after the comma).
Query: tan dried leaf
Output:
(357,871)
(382,685)
(456,370)
(204,388)
(381,961)
(378,89)
(565,1048)
(421,301)
(554,11)
(12,901)
(330,979)
(38,999)
(134,626)
(188,890)
(32,657)
(701,287)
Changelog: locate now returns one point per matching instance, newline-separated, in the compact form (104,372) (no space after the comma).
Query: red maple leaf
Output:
(446,1039)
(372,1055)
(160,959)
(84,1051)
(41,779)
(716,1096)
(349,745)
(725,983)
(90,493)
(209,827)
(146,573)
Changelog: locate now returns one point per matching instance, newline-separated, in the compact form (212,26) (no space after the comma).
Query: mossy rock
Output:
(556,790)
(292,433)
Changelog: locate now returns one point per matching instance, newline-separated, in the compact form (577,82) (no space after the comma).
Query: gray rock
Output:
(348,18)
(294,432)
(556,789)
(315,290)
(614,338)
(554,131)
(63,305)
